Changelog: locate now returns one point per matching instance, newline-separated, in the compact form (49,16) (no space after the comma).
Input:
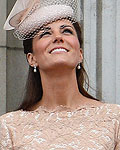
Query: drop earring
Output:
(78,66)
(35,68)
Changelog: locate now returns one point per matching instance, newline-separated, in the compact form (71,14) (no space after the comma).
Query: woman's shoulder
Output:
(107,107)
(103,110)
(111,108)
(111,111)
(14,116)
(104,107)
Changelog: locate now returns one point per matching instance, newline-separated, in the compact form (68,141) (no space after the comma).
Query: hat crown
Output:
(27,16)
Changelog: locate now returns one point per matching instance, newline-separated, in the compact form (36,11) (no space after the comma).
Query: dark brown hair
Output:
(34,90)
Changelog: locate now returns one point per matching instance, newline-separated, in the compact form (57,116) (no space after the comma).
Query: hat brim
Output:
(16,19)
(40,17)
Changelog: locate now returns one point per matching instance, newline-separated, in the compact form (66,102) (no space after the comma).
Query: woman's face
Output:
(56,45)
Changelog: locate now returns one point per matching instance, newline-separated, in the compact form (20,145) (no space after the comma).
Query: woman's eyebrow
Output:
(64,26)
(49,28)
(45,28)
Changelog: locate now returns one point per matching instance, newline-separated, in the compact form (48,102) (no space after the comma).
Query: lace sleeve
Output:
(118,139)
(118,131)
(5,138)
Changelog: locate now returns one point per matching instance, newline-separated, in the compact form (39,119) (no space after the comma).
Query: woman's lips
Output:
(58,50)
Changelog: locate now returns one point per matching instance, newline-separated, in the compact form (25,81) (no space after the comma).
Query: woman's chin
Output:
(60,66)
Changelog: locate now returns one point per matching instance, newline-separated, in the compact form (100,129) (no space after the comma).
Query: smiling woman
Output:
(57,112)
(34,90)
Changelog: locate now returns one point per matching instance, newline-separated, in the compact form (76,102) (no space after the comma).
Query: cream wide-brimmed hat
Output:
(28,16)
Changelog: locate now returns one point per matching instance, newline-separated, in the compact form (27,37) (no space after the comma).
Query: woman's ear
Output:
(81,55)
(31,60)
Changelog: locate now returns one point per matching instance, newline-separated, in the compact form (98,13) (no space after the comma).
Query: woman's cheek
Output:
(74,42)
(38,48)
(77,44)
(43,45)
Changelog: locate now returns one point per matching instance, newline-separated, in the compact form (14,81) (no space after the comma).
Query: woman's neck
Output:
(60,89)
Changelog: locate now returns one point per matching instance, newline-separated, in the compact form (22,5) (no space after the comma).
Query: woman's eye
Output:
(44,34)
(68,31)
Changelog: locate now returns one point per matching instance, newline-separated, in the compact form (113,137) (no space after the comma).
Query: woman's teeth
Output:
(59,50)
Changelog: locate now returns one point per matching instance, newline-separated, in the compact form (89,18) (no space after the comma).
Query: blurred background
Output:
(101,33)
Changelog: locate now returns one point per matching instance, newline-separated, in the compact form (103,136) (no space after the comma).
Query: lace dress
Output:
(83,128)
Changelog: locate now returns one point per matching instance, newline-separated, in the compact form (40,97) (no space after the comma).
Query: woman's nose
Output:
(58,39)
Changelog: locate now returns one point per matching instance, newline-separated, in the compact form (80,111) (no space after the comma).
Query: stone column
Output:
(3,11)
(13,65)
(102,48)
(16,69)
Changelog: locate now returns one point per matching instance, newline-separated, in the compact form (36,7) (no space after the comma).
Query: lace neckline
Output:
(62,108)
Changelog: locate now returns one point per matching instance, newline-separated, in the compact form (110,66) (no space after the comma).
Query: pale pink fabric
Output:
(85,128)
